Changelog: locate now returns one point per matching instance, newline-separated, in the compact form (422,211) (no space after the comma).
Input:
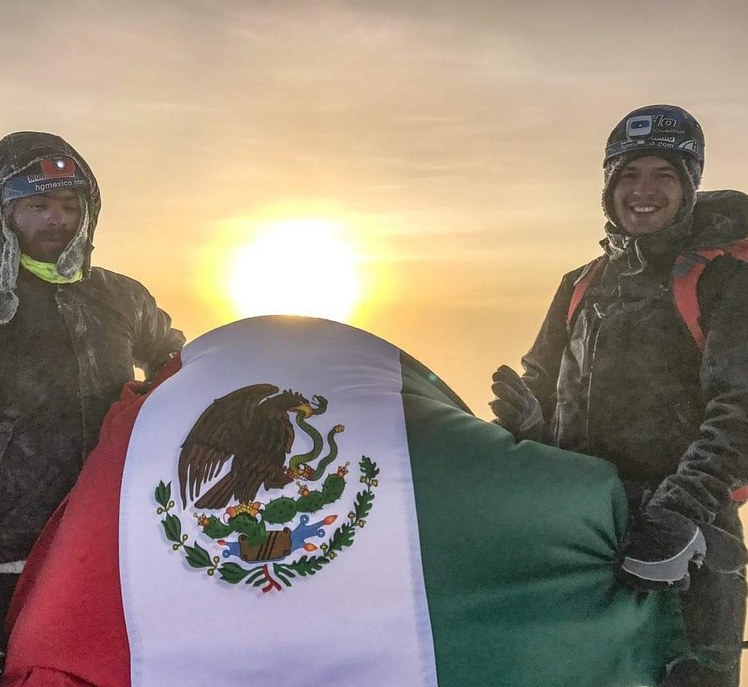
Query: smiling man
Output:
(648,195)
(69,335)
(642,360)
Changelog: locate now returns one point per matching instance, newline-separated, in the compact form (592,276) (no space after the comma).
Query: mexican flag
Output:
(297,502)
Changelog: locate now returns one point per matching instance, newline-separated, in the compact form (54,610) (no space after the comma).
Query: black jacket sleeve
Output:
(542,362)
(156,339)
(717,460)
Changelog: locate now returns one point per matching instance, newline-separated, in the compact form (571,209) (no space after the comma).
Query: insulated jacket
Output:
(64,357)
(625,381)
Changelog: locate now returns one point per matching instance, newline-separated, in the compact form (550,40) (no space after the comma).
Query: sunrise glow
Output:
(298,266)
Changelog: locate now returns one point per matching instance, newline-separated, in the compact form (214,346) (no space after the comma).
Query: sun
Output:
(301,266)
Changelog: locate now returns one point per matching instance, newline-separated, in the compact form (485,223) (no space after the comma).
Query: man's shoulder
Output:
(722,199)
(720,217)
(578,272)
(105,278)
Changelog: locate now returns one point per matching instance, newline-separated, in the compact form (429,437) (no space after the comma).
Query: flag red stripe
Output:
(71,583)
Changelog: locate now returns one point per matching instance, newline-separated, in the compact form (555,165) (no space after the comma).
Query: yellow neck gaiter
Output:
(48,271)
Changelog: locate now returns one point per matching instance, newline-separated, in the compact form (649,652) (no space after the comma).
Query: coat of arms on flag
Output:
(400,540)
(267,541)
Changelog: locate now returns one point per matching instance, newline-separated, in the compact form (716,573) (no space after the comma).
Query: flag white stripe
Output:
(363,618)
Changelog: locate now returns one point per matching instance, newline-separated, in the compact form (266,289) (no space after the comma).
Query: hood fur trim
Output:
(10,258)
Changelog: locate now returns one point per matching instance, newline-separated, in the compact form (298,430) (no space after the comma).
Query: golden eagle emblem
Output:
(239,443)
(250,425)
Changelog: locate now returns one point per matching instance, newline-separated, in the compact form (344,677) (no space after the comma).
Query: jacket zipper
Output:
(592,353)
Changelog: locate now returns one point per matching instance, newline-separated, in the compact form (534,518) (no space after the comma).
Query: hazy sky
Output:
(458,145)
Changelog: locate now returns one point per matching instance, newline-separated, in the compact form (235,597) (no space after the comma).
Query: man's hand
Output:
(658,548)
(515,407)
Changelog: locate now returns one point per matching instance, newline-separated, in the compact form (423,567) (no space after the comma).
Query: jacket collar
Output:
(718,218)
(666,243)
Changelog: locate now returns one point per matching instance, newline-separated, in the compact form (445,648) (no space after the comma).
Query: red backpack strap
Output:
(686,273)
(582,283)
(738,250)
(688,268)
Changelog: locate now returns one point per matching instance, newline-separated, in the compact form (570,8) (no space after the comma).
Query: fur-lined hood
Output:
(18,152)
(23,149)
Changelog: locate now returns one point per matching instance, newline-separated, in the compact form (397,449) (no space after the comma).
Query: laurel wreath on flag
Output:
(262,575)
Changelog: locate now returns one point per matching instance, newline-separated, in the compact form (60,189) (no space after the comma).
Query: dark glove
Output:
(515,407)
(658,548)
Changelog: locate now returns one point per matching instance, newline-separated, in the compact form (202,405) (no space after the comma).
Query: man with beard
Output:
(69,334)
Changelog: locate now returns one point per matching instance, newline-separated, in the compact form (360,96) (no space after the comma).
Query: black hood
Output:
(23,149)
(719,217)
(18,152)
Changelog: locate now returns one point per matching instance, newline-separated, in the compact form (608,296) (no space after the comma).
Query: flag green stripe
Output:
(518,546)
